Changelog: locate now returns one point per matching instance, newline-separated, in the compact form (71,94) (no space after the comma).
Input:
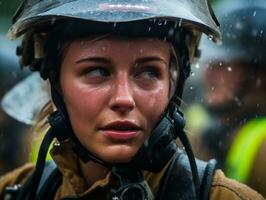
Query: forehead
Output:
(108,43)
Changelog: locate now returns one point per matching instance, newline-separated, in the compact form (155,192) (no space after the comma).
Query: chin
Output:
(116,159)
(121,154)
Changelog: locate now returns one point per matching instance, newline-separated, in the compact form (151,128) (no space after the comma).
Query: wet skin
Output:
(115,90)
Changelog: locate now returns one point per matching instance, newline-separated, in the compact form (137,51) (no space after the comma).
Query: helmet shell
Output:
(196,14)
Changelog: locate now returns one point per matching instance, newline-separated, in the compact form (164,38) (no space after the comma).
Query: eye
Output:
(97,72)
(148,73)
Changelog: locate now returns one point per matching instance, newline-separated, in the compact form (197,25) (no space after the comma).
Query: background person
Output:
(235,81)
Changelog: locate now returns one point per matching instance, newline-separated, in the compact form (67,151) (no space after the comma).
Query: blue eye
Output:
(98,72)
(149,73)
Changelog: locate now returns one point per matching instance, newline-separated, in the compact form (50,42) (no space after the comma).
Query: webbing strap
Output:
(244,149)
(50,166)
(50,182)
(177,182)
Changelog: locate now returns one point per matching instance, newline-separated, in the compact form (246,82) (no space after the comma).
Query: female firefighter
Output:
(116,70)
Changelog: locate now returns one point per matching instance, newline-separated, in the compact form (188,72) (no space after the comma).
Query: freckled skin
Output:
(127,93)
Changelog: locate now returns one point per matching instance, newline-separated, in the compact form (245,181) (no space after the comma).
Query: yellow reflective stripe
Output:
(244,149)
(36,143)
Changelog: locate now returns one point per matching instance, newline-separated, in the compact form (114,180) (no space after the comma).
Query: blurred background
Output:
(225,96)
(224,100)
(14,148)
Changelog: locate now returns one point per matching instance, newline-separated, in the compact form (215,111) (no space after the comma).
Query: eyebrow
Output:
(94,59)
(107,60)
(150,59)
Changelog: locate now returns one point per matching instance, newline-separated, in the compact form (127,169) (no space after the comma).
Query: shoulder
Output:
(225,188)
(17,176)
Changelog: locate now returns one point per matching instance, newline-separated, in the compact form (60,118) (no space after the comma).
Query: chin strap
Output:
(183,138)
(62,131)
(157,149)
(160,147)
(35,179)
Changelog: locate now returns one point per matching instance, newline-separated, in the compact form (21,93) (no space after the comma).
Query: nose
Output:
(122,99)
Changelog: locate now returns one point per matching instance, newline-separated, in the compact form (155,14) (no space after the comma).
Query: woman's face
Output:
(115,90)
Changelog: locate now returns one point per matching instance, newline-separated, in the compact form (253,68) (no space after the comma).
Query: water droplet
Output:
(258,82)
(210,37)
(254,32)
(57,144)
(238,102)
(254,13)
(53,20)
(180,22)
(239,25)
(261,33)
(176,23)
(220,143)
(171,32)
(197,66)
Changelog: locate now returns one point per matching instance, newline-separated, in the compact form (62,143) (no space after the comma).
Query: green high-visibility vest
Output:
(244,149)
(35,146)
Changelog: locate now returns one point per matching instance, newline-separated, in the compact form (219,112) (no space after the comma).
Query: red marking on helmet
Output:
(127,7)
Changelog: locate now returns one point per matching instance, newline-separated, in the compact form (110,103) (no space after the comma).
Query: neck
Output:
(93,172)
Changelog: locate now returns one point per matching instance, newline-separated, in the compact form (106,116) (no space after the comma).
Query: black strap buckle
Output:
(11,193)
(132,185)
(133,191)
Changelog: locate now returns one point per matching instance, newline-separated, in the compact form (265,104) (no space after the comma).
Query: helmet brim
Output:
(184,13)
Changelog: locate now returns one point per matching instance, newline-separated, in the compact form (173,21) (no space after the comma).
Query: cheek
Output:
(83,103)
(79,99)
(153,103)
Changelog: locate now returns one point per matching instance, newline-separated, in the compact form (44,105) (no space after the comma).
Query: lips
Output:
(121,130)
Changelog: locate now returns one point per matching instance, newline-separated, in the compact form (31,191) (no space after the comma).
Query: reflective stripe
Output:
(36,143)
(244,149)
